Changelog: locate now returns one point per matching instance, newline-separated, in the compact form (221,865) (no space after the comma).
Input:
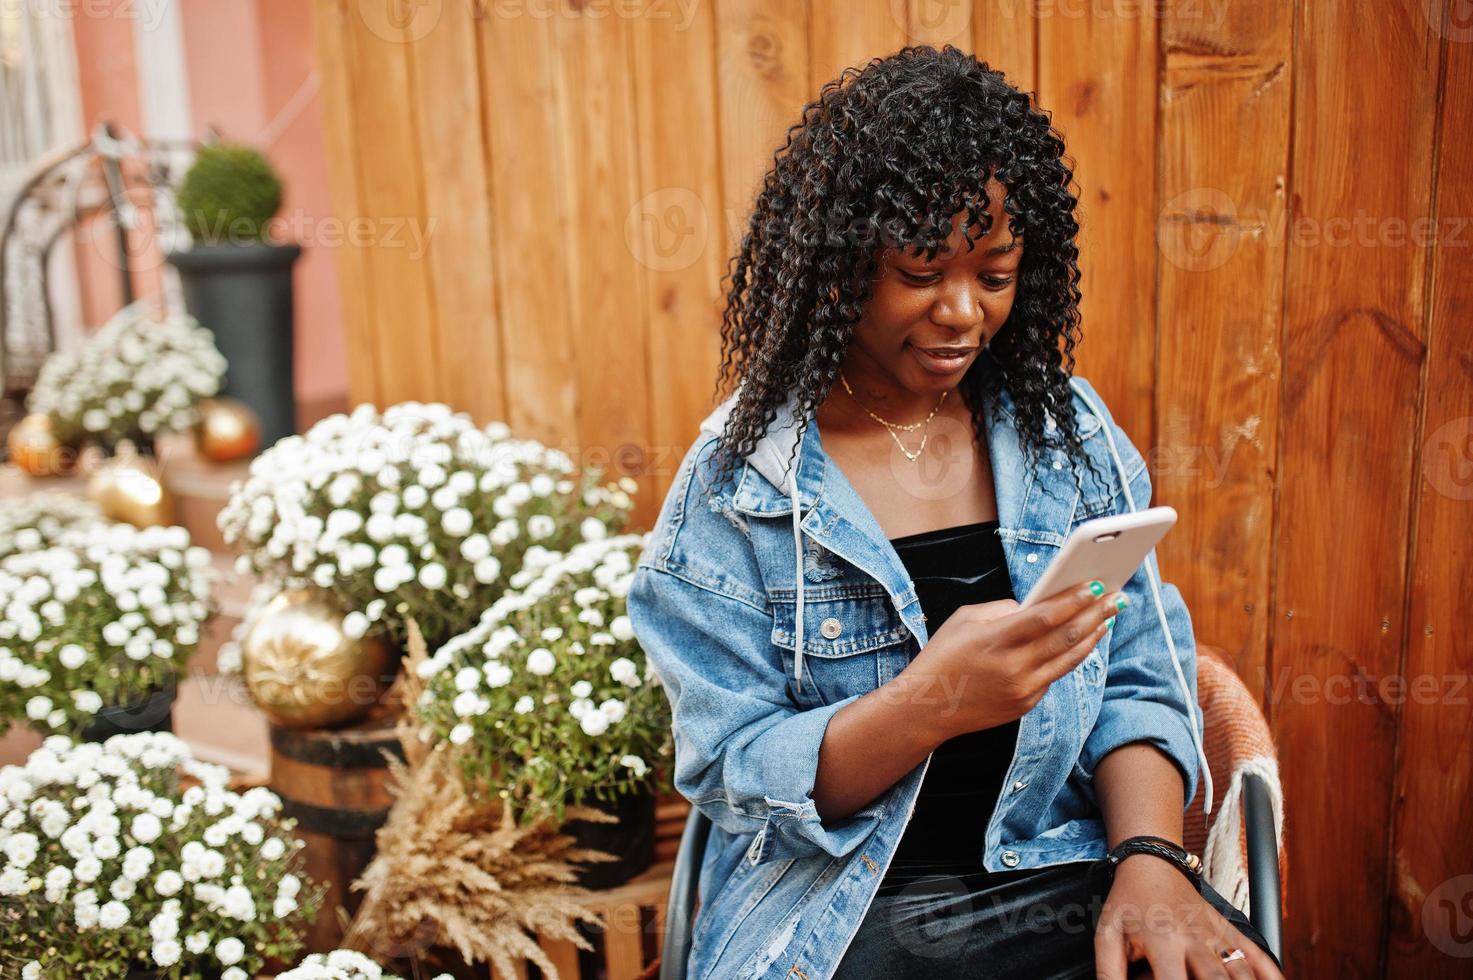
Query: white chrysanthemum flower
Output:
(146,828)
(541,661)
(624,671)
(112,915)
(634,762)
(229,951)
(166,952)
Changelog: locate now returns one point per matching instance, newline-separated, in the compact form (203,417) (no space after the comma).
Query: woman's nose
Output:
(959,306)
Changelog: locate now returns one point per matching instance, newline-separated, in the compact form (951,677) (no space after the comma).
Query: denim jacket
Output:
(715,602)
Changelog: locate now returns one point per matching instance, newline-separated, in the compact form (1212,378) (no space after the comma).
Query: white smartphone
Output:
(1107,548)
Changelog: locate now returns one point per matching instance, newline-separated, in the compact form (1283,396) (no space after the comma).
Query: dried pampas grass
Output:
(452,870)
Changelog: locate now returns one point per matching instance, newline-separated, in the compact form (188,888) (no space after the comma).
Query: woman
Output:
(907,774)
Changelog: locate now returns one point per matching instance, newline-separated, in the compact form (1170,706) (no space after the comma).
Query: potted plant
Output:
(412,512)
(111,867)
(38,520)
(98,627)
(141,374)
(549,701)
(341,964)
(237,281)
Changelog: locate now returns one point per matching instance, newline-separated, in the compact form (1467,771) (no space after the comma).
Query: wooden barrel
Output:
(334,782)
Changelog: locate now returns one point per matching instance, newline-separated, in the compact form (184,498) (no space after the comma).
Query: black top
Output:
(952,567)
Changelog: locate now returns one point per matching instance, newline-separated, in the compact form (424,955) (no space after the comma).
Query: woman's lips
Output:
(938,363)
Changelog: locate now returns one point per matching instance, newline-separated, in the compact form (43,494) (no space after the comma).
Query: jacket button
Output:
(1010,858)
(1018,786)
(1032,558)
(831,627)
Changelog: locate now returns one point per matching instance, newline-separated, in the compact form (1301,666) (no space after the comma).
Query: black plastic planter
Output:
(632,839)
(154,713)
(243,294)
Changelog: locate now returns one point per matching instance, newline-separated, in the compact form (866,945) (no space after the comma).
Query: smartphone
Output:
(1107,548)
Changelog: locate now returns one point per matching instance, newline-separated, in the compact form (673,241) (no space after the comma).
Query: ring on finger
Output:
(1228,955)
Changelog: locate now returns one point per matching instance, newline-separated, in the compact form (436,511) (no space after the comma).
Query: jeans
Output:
(1037,924)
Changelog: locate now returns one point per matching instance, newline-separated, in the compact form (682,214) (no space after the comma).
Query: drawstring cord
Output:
(798,571)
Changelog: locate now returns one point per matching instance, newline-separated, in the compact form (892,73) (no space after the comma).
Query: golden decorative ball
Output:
(36,450)
(304,671)
(227,430)
(131,488)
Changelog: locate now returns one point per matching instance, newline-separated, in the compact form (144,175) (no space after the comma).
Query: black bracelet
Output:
(1185,861)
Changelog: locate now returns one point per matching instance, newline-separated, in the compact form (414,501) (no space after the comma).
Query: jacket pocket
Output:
(847,629)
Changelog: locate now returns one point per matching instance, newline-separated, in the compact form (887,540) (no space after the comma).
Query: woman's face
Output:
(926,322)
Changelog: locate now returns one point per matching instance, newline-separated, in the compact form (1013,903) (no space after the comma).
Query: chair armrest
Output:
(684,886)
(1264,910)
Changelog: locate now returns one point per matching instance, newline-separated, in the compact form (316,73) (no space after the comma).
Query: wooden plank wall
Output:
(1277,260)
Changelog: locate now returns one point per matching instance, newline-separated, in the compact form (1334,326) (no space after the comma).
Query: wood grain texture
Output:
(608,296)
(445,66)
(1097,75)
(1432,850)
(532,220)
(845,34)
(390,195)
(1005,36)
(1220,257)
(330,33)
(676,230)
(762,87)
(1354,342)
(939,22)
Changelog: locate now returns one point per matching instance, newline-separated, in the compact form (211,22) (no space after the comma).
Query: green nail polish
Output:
(1121,603)
(1110,623)
(1097,587)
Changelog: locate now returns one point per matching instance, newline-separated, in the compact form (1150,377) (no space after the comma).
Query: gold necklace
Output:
(892,426)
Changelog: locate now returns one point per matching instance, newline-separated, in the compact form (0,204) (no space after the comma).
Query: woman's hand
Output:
(991,662)
(1154,914)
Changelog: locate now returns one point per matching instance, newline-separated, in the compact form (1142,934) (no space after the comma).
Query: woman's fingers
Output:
(1242,969)
(1110,961)
(1168,959)
(1256,964)
(1204,963)
(1036,622)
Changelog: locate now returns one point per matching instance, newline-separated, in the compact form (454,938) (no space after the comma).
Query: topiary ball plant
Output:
(229,194)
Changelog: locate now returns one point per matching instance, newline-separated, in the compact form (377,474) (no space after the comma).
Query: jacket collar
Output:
(836,516)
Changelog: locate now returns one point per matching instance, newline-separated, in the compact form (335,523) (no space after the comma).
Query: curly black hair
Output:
(884,157)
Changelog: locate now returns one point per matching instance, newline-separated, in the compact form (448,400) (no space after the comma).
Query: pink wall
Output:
(245,61)
(107,77)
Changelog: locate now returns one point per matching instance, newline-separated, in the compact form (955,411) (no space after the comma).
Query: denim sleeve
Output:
(745,755)
(1142,698)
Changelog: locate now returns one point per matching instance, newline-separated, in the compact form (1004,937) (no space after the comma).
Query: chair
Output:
(113,174)
(1242,850)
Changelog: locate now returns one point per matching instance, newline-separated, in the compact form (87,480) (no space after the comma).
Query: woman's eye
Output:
(917,279)
(997,282)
